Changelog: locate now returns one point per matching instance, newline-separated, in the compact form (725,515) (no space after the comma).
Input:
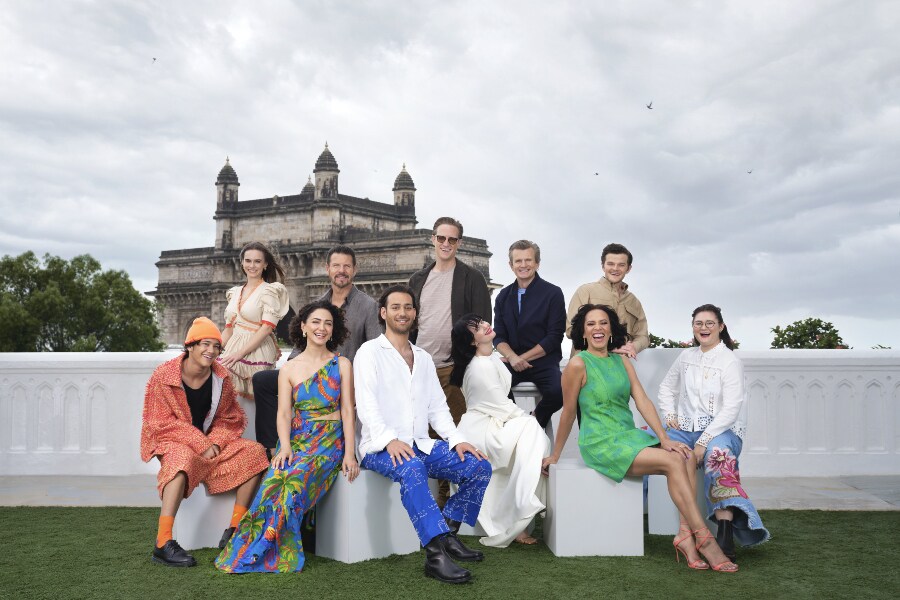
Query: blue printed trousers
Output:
(471,475)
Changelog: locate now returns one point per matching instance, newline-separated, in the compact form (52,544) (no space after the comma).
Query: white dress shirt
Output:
(393,403)
(704,391)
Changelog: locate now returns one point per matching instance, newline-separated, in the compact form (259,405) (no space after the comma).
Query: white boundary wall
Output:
(813,413)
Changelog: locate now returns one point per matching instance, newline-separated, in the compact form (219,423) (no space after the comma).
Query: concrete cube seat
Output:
(202,518)
(662,515)
(588,514)
(362,520)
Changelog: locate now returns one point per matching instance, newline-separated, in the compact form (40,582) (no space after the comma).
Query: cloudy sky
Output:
(525,119)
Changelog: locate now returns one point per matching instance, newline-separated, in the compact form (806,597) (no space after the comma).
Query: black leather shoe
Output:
(226,535)
(725,537)
(453,525)
(172,555)
(458,551)
(439,565)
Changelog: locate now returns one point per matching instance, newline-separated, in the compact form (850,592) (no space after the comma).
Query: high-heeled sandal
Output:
(726,566)
(699,564)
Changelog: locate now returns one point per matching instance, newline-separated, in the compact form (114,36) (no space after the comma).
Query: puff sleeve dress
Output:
(266,305)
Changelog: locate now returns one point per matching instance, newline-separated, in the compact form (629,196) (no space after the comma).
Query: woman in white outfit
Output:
(511,438)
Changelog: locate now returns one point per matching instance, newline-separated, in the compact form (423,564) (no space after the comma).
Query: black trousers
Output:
(265,392)
(545,377)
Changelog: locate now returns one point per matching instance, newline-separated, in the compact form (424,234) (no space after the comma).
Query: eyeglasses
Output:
(709,324)
(443,238)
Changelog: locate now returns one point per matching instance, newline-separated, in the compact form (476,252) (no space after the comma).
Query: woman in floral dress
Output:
(315,425)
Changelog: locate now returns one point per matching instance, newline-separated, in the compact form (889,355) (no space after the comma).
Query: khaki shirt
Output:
(628,308)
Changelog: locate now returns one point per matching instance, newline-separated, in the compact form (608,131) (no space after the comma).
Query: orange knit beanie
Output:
(202,329)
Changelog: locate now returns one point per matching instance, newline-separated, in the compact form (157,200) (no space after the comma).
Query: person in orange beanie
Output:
(193,424)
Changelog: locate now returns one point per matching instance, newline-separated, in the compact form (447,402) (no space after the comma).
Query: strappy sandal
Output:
(726,566)
(697,565)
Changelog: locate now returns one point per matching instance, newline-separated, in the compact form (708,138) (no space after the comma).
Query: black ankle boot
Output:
(439,565)
(453,525)
(458,551)
(725,537)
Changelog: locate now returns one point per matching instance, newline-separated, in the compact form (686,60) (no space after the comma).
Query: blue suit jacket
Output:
(542,320)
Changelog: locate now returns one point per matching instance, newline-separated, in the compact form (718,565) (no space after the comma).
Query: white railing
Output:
(812,412)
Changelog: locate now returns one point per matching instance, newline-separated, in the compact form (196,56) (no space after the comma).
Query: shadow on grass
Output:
(105,553)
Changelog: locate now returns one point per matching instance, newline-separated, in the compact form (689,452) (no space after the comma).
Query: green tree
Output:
(54,305)
(808,333)
(658,342)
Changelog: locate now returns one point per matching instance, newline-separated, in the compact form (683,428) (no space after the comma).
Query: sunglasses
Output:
(443,238)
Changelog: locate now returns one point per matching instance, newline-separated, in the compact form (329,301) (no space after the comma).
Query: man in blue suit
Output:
(530,320)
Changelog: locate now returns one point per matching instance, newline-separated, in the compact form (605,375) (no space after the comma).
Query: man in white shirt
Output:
(398,396)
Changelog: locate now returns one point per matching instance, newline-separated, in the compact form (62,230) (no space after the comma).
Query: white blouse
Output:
(704,391)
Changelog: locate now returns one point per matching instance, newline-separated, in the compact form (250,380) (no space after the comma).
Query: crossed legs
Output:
(681,480)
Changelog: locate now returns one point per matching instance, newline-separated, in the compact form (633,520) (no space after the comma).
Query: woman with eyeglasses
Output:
(704,405)
(601,382)
(511,439)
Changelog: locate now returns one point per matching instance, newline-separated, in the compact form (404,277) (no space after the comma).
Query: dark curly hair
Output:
(618,334)
(463,351)
(724,336)
(339,331)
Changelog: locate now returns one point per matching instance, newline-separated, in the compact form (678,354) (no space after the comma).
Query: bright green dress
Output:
(608,439)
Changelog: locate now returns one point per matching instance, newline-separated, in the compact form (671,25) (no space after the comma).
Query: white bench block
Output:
(662,515)
(362,520)
(469,530)
(249,407)
(527,396)
(202,518)
(570,450)
(589,514)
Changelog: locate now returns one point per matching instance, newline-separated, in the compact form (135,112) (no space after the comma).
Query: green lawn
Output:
(105,553)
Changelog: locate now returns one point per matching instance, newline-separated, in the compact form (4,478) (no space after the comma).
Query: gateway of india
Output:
(300,229)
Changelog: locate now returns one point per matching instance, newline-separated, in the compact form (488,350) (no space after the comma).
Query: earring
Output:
(585,342)
(304,334)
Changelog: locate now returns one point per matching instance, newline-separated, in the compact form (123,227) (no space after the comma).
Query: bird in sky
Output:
(650,106)
(154,60)
(750,171)
(596,173)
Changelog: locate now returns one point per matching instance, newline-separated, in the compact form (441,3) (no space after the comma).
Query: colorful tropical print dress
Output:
(607,437)
(268,536)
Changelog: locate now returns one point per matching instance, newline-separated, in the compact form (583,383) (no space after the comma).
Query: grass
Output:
(104,553)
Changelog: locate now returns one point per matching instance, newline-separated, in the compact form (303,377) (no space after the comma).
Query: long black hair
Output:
(338,331)
(618,335)
(724,335)
(463,350)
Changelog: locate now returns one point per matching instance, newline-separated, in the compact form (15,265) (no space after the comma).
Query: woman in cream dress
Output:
(251,315)
(511,438)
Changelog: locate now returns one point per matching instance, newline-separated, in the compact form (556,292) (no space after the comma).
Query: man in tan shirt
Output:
(612,291)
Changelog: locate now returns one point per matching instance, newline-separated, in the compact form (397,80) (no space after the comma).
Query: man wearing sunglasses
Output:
(446,290)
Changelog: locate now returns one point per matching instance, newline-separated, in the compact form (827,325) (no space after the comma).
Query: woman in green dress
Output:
(601,382)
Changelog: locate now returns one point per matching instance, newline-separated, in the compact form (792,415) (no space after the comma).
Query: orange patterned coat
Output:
(168,432)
